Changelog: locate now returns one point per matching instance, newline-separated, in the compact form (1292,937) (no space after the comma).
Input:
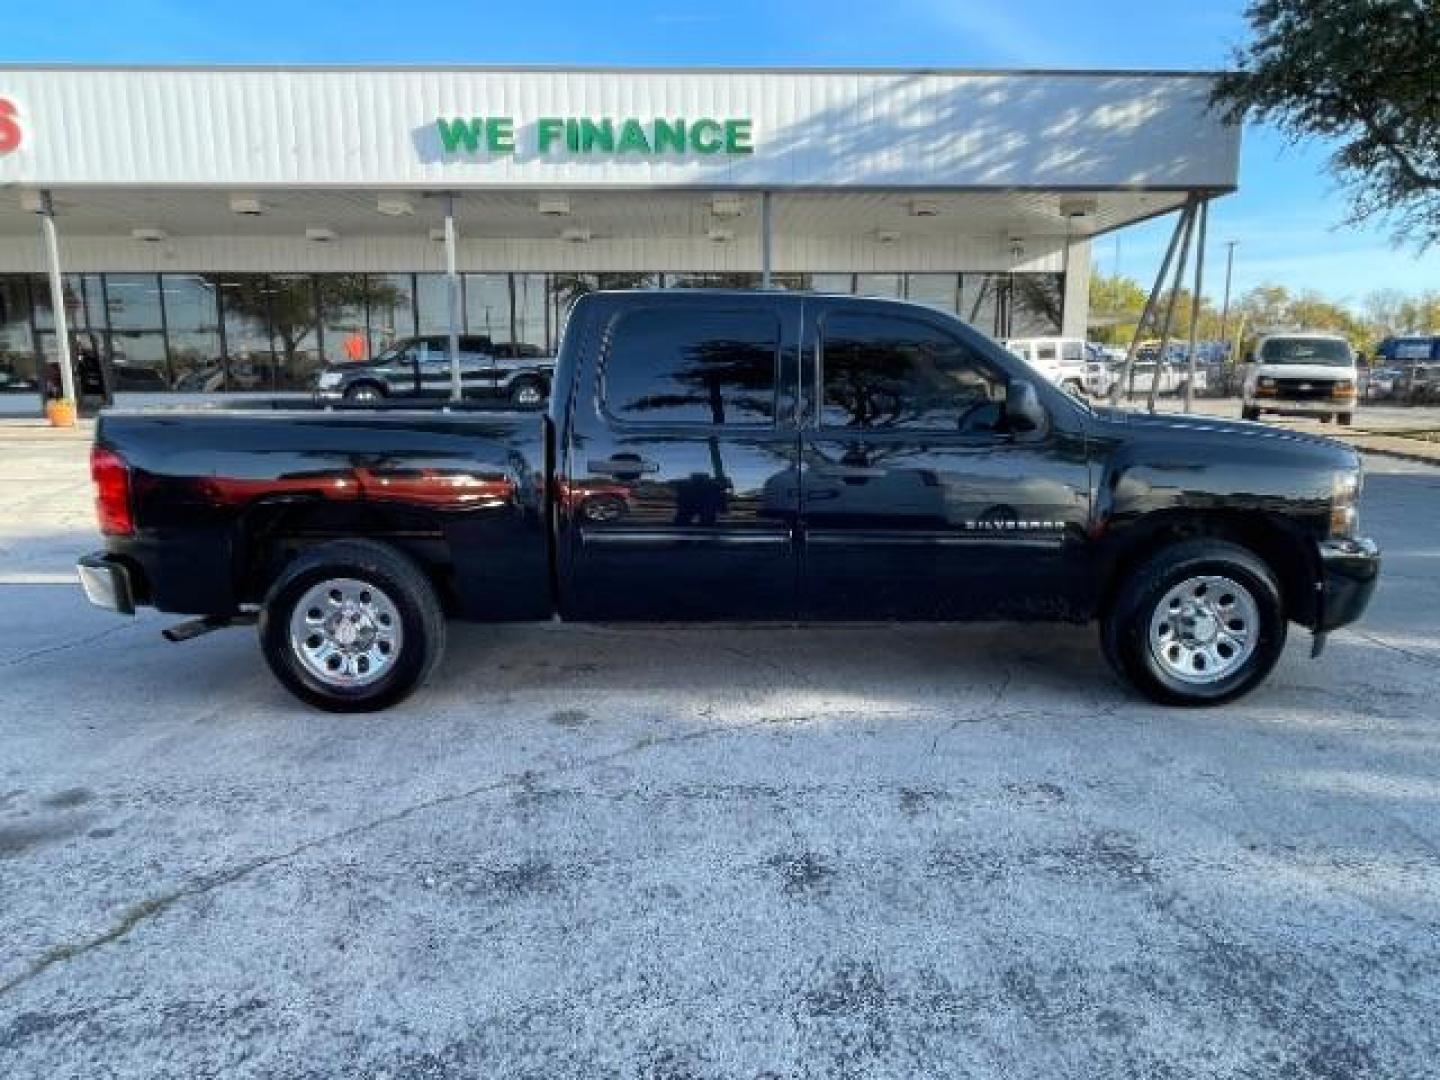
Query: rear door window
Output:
(692,365)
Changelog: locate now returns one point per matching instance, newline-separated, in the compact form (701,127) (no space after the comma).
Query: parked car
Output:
(734,455)
(1173,377)
(1301,374)
(420,367)
(1061,360)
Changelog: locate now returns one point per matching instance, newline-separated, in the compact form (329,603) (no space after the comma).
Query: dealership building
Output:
(233,229)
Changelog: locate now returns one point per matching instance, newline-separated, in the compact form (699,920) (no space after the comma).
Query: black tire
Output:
(364,391)
(1346,418)
(1247,413)
(1125,627)
(422,623)
(1325,418)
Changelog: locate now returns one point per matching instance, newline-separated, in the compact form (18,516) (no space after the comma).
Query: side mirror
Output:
(1023,411)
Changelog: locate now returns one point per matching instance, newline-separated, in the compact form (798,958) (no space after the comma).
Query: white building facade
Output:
(236,228)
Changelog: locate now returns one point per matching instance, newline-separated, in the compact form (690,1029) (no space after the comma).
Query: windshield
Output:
(1331,352)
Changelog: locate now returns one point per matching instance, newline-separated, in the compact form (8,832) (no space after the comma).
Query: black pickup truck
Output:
(734,456)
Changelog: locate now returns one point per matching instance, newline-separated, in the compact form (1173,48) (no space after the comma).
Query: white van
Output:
(1059,359)
(1301,374)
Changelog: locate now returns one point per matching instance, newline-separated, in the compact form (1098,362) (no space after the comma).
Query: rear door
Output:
(917,502)
(678,491)
(477,367)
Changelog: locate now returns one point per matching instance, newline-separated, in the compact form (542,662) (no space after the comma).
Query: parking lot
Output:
(751,851)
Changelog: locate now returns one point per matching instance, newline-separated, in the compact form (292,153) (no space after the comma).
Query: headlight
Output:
(1265,383)
(328,380)
(1345,504)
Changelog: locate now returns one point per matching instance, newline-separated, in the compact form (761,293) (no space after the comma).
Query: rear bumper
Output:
(107,583)
(1349,570)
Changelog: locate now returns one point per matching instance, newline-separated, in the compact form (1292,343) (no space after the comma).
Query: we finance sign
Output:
(584,135)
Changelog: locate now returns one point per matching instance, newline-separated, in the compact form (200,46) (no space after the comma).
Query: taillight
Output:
(112,492)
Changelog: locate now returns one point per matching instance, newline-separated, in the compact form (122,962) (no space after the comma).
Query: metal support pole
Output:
(1195,303)
(452,283)
(1170,307)
(1225,307)
(766,240)
(57,297)
(1127,374)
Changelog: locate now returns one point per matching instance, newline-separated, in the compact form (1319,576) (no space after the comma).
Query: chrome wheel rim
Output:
(1204,629)
(365,393)
(346,632)
(527,395)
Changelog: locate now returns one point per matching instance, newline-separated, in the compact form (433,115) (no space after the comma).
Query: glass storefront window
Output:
(19,371)
(565,289)
(137,361)
(832,283)
(245,306)
(740,280)
(392,310)
(84,302)
(937,290)
(982,301)
(133,301)
(343,302)
(1035,304)
(432,302)
(629,281)
(533,333)
(192,322)
(294,330)
(487,307)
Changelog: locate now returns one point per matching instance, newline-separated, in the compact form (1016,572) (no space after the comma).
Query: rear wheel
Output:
(1198,623)
(1249,413)
(1347,418)
(352,626)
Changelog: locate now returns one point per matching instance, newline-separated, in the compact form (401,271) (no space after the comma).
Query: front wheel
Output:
(352,626)
(1249,413)
(528,394)
(1198,623)
(1347,418)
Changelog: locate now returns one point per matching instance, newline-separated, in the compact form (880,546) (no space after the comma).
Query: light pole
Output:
(1225,307)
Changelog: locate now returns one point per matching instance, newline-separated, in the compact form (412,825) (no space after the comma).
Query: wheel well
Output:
(373,384)
(271,535)
(1282,548)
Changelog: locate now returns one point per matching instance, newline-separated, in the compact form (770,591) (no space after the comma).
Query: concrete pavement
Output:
(672,852)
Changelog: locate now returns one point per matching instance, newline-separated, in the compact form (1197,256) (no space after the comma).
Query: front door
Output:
(679,488)
(917,499)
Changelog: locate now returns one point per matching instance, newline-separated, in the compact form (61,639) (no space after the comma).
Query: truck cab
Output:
(1061,360)
(1301,374)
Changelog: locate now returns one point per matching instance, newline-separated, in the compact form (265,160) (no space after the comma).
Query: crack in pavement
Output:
(35,654)
(1409,654)
(153,906)
(1001,689)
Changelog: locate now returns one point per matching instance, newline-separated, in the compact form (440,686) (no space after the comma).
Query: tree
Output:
(1359,73)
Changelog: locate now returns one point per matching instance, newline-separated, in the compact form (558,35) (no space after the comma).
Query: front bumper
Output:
(107,583)
(1308,407)
(1349,570)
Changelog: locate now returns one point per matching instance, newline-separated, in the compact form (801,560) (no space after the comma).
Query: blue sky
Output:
(1288,216)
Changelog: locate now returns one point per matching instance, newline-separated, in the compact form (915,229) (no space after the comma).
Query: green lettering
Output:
(669,135)
(632,138)
(457,134)
(737,137)
(548,129)
(595,134)
(572,136)
(705,136)
(500,135)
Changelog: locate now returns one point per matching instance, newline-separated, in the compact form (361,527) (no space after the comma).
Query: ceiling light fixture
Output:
(554,207)
(394,206)
(886,236)
(720,236)
(321,234)
(727,206)
(924,208)
(247,205)
(576,236)
(149,234)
